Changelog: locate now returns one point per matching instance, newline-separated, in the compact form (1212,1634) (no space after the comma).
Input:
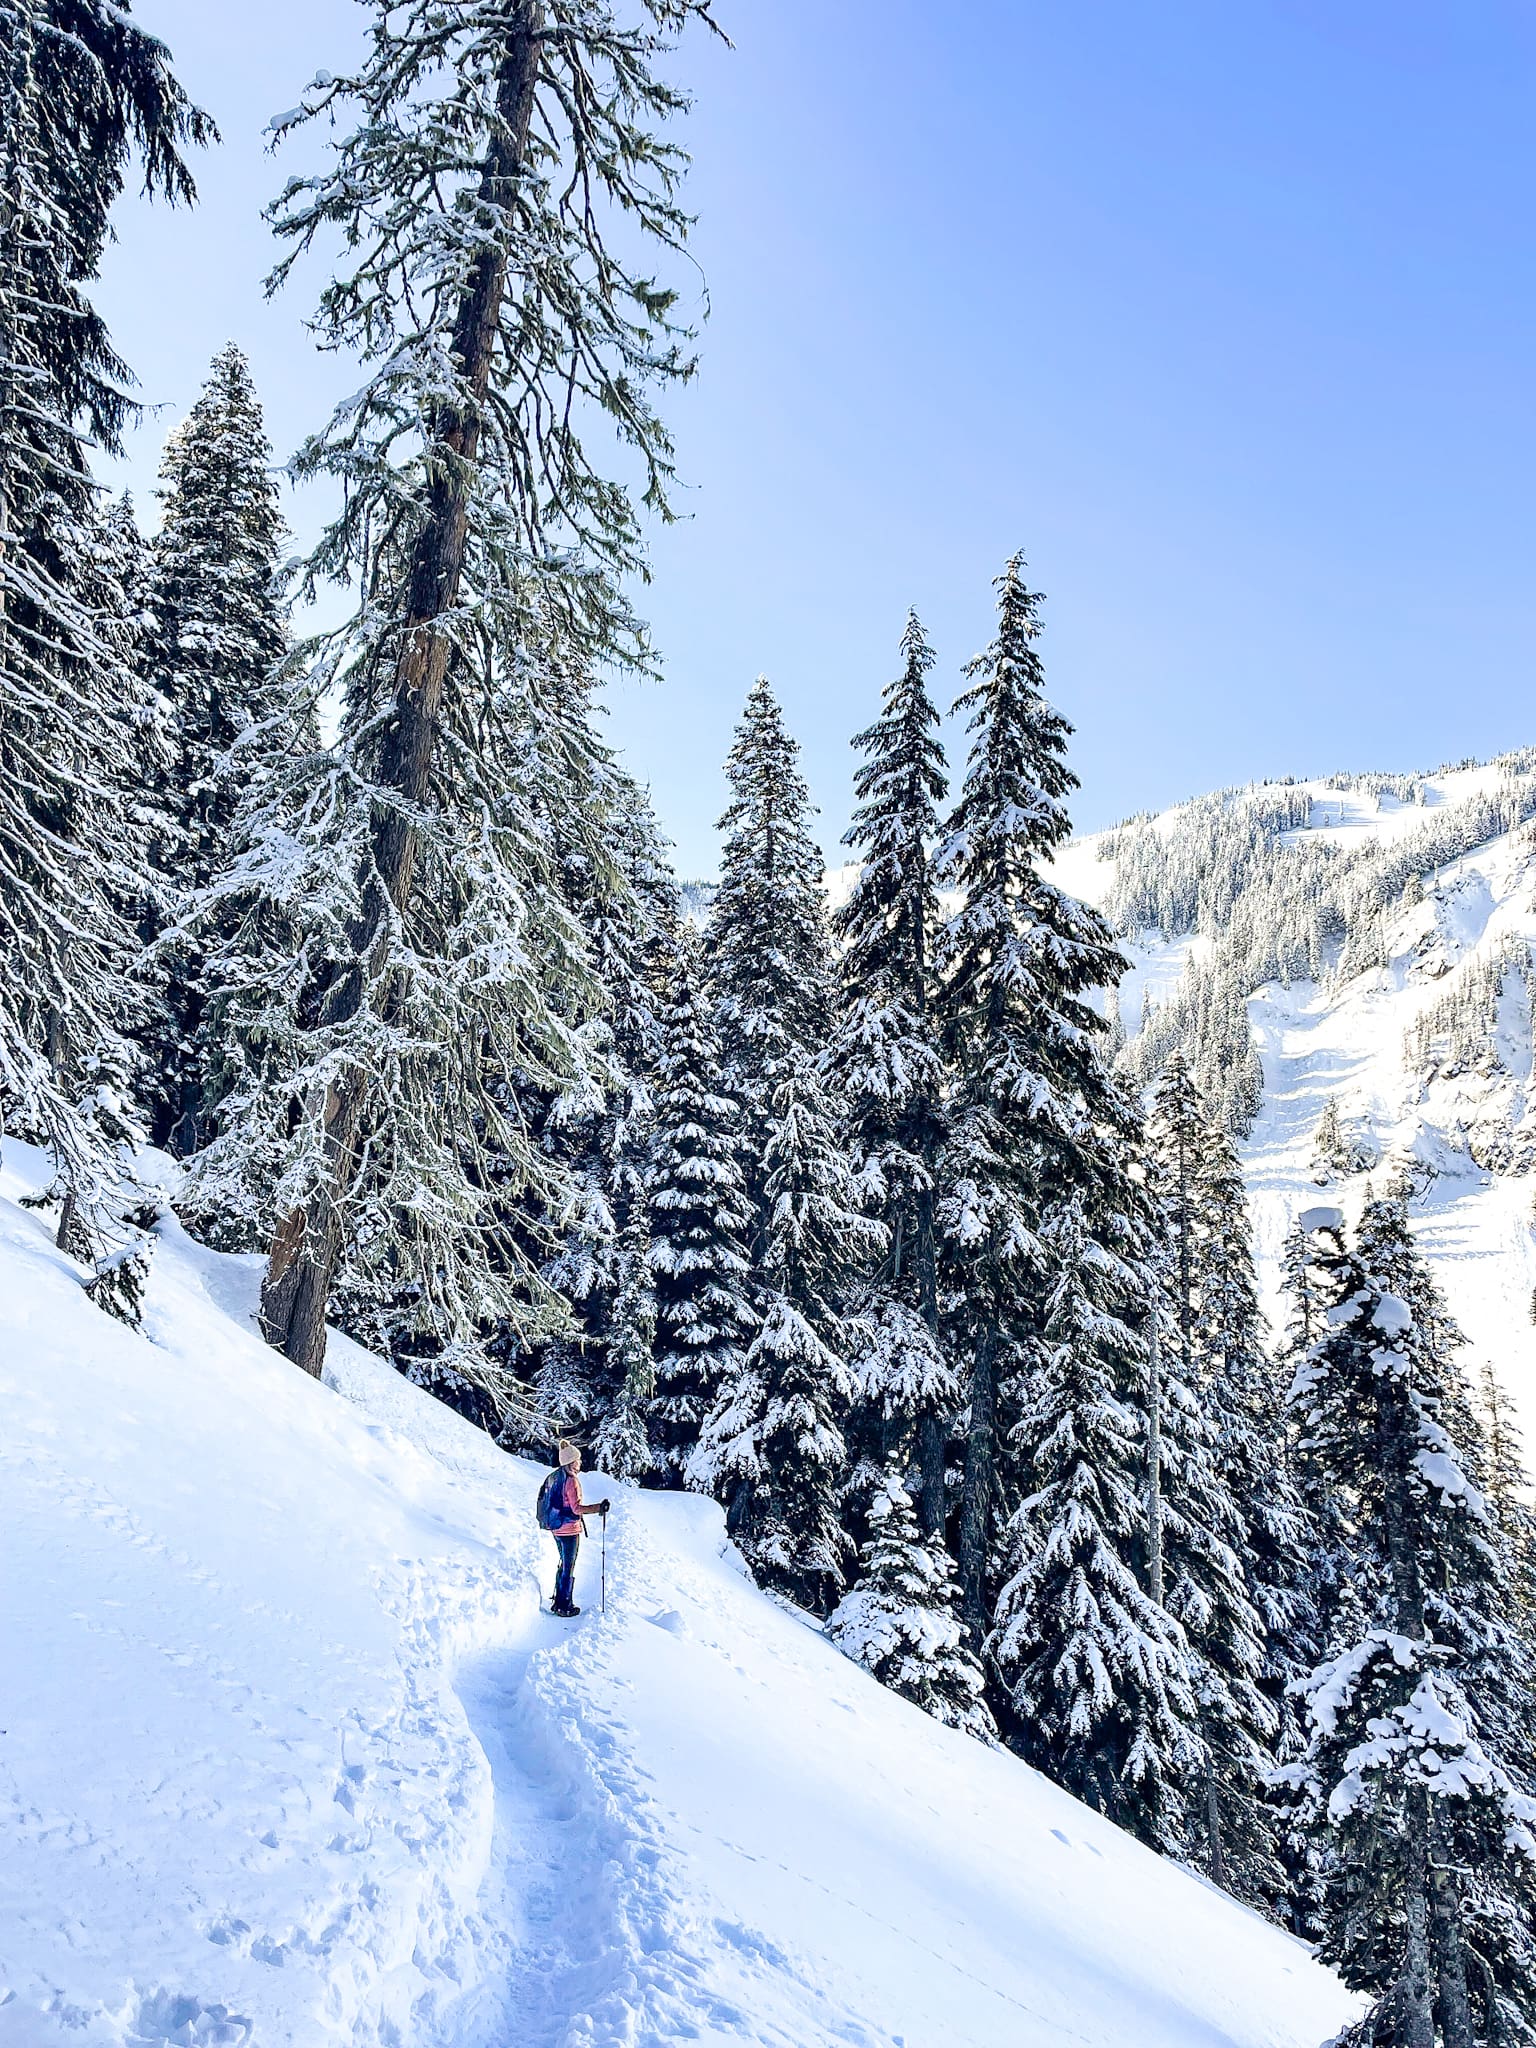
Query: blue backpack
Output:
(549,1508)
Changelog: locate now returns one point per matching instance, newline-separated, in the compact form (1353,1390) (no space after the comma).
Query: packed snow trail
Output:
(290,1757)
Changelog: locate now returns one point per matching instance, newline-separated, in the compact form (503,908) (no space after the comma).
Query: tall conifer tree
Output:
(1232,1522)
(1036,1117)
(1427,1904)
(773,1446)
(886,1059)
(1093,1667)
(698,1220)
(899,1620)
(622,897)
(768,946)
(472,196)
(216,635)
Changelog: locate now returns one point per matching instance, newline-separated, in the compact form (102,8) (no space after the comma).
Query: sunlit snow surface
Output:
(290,1757)
(1350,1042)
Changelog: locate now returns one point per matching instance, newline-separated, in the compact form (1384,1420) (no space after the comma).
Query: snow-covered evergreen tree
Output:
(768,946)
(773,1447)
(1036,1116)
(1506,1648)
(1295,1278)
(1333,1153)
(903,1379)
(1428,1877)
(1232,1522)
(621,1443)
(483,153)
(899,1619)
(452,1202)
(619,890)
(216,635)
(87,97)
(117,580)
(886,1061)
(1093,1669)
(1489,1626)
(1248,1419)
(698,1217)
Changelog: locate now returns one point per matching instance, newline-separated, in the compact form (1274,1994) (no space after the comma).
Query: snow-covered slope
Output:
(1426,1052)
(290,1757)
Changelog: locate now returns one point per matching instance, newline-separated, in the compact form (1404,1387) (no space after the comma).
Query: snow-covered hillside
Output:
(1416,1022)
(289,1755)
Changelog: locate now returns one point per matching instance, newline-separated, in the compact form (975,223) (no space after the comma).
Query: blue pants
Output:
(565,1577)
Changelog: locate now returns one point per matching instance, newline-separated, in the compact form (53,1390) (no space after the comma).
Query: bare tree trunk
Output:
(1417,1992)
(1449,1955)
(931,1437)
(976,1498)
(1415,2026)
(302,1264)
(931,1425)
(1213,1848)
(15,87)
(70,1236)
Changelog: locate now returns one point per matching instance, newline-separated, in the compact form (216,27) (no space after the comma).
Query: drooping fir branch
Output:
(86,96)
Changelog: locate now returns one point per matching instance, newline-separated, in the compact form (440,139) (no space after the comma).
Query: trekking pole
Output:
(605,1562)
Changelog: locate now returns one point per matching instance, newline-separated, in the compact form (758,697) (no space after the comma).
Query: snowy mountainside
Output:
(697,900)
(290,1755)
(1368,944)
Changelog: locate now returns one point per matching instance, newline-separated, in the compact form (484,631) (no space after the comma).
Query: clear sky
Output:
(1223,310)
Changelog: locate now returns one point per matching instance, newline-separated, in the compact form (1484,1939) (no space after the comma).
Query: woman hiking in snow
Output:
(560,1510)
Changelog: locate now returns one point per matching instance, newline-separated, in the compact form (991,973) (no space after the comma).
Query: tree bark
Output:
(1448,1954)
(976,1498)
(1418,1991)
(1213,1846)
(1154,1464)
(931,1426)
(1415,2027)
(15,80)
(297,1287)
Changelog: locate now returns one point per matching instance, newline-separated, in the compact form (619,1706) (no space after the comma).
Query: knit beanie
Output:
(568,1452)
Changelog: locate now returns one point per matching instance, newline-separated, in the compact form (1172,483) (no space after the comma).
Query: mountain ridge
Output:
(1401,911)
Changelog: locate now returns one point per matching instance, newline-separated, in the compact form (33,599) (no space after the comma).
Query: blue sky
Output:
(1224,313)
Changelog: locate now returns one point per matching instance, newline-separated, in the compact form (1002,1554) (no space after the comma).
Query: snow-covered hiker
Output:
(560,1511)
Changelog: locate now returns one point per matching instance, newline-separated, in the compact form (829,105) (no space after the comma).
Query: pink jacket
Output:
(570,1501)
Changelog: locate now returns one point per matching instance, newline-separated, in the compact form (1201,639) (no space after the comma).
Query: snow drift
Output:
(290,1755)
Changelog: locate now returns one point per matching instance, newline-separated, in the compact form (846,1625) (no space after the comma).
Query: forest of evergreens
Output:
(855,1222)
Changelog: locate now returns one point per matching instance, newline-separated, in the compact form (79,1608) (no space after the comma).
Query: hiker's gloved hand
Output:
(603,1506)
